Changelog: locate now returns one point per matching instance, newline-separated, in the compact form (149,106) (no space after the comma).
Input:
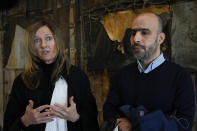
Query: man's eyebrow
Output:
(139,29)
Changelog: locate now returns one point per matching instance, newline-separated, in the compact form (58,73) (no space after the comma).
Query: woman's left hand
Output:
(67,113)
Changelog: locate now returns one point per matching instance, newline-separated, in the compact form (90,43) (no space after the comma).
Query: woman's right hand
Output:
(35,116)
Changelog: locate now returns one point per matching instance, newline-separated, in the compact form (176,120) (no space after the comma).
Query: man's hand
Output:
(34,116)
(124,124)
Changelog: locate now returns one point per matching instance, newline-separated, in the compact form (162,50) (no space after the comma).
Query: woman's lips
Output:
(45,52)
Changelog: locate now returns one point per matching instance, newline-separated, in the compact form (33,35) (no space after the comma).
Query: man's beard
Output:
(148,52)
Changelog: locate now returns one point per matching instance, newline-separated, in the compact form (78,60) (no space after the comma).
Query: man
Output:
(153,82)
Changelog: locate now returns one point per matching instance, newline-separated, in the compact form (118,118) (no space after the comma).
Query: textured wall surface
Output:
(116,23)
(1,80)
(18,52)
(183,41)
(184,34)
(184,38)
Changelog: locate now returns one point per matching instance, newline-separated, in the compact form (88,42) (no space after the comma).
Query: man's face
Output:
(144,37)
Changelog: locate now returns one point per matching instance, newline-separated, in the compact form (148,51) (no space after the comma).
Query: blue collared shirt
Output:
(158,61)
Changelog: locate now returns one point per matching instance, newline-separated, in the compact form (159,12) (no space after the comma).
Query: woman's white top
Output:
(59,97)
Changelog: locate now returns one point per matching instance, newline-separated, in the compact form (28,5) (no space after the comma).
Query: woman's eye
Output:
(37,41)
(48,38)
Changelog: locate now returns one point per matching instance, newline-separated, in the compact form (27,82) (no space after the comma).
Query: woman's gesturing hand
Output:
(34,116)
(67,113)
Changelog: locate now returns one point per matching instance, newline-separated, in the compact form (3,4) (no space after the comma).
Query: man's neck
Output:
(145,63)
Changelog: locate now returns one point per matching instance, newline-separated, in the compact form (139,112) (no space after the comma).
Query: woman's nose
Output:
(43,44)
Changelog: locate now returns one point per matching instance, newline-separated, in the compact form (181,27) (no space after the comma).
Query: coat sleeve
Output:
(184,102)
(113,101)
(15,108)
(85,101)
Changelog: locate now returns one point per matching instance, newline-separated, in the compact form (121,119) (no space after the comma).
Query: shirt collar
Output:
(158,61)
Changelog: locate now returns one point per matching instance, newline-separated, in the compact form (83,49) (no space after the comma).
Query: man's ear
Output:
(161,38)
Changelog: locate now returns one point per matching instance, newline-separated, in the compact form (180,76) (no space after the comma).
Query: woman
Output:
(48,95)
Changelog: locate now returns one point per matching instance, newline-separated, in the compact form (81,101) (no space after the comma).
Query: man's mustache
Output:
(138,45)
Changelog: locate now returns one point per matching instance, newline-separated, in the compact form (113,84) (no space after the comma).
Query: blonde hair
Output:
(32,73)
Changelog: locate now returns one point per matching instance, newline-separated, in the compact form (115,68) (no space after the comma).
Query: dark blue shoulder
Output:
(126,69)
(175,66)
(179,70)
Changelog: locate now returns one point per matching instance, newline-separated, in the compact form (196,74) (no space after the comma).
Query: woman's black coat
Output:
(78,86)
